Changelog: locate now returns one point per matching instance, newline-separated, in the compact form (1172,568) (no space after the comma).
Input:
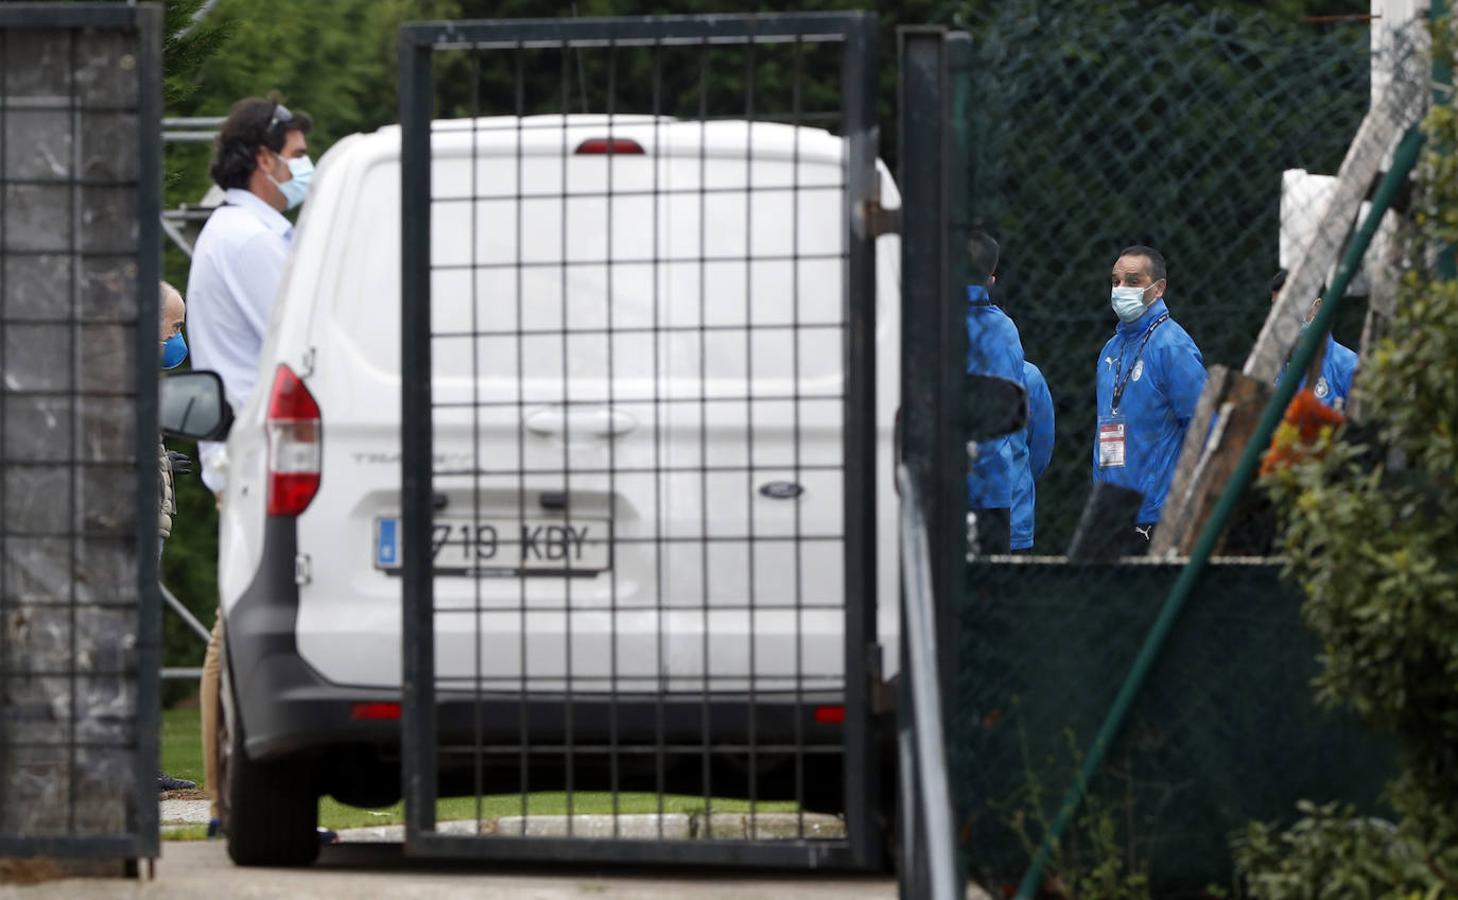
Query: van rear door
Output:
(648,350)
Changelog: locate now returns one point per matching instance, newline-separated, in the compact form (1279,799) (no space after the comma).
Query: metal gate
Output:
(641,434)
(80,178)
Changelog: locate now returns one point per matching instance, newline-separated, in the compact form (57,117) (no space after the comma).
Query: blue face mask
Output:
(174,351)
(297,187)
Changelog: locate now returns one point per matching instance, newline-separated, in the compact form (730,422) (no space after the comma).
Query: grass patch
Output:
(185,833)
(182,758)
(182,744)
(333,814)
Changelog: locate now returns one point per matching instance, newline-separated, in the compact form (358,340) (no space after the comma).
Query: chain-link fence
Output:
(1170,128)
(1237,145)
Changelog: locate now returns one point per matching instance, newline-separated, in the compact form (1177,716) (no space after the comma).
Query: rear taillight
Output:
(295,445)
(375,712)
(830,715)
(605,146)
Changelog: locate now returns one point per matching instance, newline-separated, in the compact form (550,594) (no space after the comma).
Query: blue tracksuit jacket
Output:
(1034,446)
(1338,367)
(993,348)
(1161,387)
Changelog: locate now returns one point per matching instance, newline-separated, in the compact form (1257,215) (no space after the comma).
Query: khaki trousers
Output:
(211,700)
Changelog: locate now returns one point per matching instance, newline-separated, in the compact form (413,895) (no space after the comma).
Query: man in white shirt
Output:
(260,159)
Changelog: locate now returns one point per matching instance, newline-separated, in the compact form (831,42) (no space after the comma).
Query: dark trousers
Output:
(994,530)
(1137,540)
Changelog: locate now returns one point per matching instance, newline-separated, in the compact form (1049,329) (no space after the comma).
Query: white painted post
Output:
(1396,36)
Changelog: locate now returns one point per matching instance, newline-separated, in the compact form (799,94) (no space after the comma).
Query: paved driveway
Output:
(200,869)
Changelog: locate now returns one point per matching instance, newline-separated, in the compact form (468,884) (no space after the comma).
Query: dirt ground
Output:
(202,869)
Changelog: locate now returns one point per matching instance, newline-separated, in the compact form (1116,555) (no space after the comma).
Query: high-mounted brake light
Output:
(605,146)
(295,448)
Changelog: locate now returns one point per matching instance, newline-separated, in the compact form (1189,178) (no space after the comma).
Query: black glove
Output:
(181,463)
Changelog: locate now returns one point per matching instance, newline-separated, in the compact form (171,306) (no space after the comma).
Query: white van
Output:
(598,525)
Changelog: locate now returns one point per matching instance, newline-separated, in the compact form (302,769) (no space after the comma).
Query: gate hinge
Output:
(879,220)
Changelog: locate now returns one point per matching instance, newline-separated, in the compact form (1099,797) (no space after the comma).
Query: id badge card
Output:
(1112,443)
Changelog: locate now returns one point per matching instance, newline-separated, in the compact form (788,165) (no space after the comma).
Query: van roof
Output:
(718,136)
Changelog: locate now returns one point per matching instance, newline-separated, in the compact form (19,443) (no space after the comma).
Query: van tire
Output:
(270,811)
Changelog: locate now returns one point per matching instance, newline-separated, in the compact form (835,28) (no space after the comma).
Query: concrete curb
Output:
(673,827)
(669,827)
(184,812)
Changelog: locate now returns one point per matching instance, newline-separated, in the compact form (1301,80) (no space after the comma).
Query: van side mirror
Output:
(194,408)
(993,407)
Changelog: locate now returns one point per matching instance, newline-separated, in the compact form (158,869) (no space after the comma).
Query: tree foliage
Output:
(187,44)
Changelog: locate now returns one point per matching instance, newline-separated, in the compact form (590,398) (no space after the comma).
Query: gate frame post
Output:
(862,649)
(933,350)
(418,771)
(148,22)
(139,838)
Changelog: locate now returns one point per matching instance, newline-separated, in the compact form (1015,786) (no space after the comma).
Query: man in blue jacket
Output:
(1034,446)
(993,348)
(1150,375)
(1338,364)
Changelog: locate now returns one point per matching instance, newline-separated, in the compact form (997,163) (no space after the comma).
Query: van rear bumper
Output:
(304,717)
(289,708)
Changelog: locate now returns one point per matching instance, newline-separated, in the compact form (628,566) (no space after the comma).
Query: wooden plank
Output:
(1171,520)
(1224,422)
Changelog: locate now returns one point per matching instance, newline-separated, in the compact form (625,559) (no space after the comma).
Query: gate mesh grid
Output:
(1096,127)
(78,650)
(638,312)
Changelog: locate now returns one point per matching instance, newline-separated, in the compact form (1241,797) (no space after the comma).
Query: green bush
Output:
(1369,531)
(1331,853)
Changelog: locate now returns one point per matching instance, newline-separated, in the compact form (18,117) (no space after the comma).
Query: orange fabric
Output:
(1303,434)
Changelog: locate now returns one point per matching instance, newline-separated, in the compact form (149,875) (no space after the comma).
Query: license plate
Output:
(504,546)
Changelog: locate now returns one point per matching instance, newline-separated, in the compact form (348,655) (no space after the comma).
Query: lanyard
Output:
(1121,383)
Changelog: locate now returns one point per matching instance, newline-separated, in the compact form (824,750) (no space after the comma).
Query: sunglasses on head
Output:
(281,116)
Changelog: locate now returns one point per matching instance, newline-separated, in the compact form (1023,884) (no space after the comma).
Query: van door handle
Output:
(596,421)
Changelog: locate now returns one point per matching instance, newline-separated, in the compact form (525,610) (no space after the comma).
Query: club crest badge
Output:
(1322,389)
(1138,370)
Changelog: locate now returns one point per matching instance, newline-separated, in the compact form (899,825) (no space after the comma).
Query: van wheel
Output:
(270,811)
(825,792)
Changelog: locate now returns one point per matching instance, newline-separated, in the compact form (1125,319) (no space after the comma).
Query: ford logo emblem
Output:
(781,490)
